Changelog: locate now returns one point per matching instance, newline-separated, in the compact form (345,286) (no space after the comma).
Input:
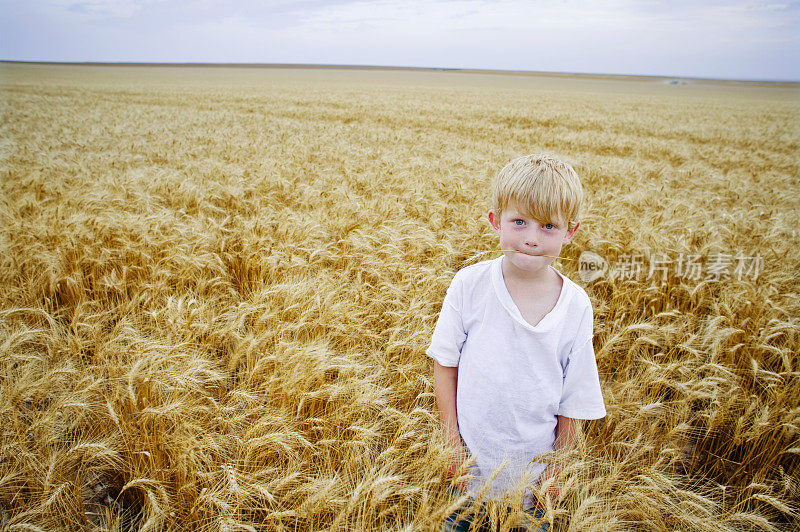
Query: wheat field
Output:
(217,286)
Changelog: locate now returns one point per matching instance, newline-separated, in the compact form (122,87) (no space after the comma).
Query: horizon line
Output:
(398,67)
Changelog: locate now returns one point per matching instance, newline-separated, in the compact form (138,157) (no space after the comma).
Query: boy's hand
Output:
(445,381)
(461,456)
(566,435)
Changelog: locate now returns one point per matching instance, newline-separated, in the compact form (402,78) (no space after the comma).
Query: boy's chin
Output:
(525,261)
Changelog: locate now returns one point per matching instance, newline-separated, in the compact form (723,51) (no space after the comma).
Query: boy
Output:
(514,366)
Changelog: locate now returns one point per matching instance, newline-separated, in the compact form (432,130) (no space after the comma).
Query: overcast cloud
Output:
(726,39)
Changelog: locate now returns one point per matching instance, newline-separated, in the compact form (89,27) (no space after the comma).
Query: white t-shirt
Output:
(514,378)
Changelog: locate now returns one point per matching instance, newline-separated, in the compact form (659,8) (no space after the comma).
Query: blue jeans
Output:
(462,519)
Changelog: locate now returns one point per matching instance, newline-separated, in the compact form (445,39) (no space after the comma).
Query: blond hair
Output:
(543,188)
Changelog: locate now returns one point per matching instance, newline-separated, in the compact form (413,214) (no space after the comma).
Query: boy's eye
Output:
(549,226)
(519,222)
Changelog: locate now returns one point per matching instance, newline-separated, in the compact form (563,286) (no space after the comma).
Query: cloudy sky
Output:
(737,39)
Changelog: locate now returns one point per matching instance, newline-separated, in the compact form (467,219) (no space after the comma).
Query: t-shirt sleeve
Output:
(449,335)
(581,396)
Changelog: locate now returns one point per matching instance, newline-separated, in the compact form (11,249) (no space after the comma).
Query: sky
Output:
(729,39)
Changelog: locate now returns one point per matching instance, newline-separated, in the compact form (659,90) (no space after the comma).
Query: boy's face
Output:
(525,241)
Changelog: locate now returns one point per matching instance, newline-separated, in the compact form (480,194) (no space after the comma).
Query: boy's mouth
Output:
(522,252)
(529,254)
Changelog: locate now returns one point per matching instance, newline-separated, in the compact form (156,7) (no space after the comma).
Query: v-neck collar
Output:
(504,296)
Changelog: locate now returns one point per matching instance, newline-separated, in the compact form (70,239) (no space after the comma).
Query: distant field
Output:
(217,286)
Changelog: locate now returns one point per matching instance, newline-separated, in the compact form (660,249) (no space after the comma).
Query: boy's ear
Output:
(571,232)
(494,219)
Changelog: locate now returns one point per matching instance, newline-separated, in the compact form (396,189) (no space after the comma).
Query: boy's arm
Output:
(566,436)
(445,382)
